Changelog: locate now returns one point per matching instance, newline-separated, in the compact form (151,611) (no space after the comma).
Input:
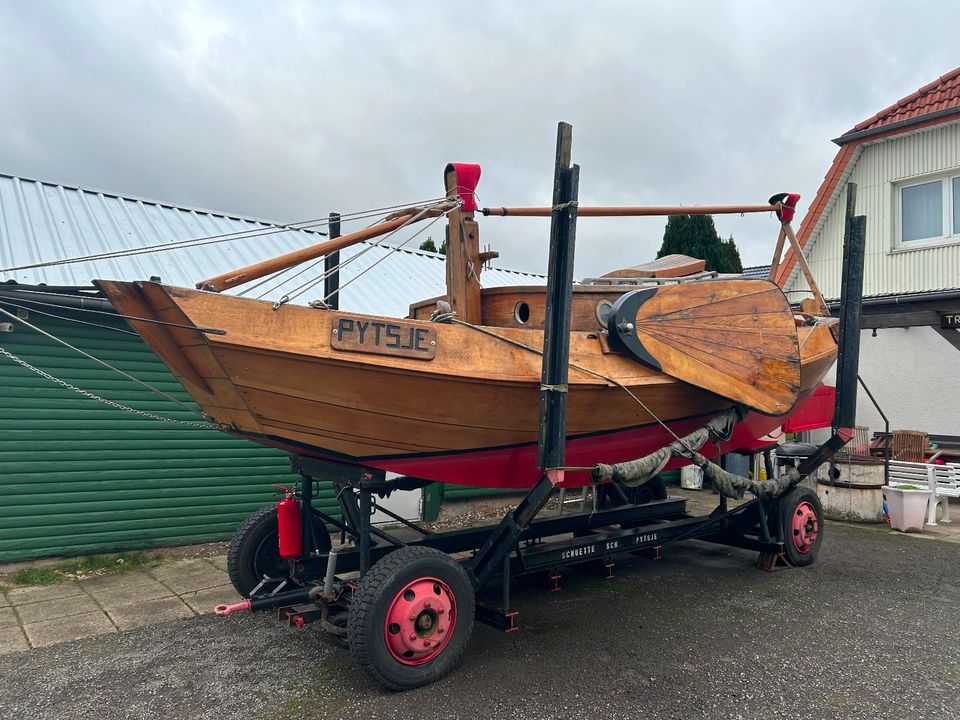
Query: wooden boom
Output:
(634,211)
(282,262)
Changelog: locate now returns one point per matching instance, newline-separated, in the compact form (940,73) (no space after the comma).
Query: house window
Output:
(930,212)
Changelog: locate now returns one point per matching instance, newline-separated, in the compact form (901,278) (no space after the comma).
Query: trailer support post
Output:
(848,354)
(364,528)
(551,441)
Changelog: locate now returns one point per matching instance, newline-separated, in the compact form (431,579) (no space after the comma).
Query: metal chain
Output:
(128,376)
(93,396)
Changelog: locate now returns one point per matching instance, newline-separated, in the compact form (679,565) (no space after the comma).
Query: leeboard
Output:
(735,338)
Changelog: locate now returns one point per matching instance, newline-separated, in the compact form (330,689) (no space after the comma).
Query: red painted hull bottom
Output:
(516,466)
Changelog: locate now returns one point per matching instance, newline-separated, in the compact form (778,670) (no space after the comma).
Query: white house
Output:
(905,161)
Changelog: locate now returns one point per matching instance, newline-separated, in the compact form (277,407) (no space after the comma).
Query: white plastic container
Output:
(908,508)
(691,477)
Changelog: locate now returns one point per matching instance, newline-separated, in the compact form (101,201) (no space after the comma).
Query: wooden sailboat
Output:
(458,401)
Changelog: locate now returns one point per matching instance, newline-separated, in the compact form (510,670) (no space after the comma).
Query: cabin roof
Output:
(42,221)
(936,103)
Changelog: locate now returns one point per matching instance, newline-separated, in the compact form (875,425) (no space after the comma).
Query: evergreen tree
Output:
(730,257)
(696,236)
(430,246)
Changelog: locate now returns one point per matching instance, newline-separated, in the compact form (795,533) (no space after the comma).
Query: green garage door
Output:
(78,476)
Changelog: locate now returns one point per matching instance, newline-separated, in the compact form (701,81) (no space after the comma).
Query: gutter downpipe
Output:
(82,302)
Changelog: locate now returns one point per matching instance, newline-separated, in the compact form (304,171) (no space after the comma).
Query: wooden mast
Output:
(463,256)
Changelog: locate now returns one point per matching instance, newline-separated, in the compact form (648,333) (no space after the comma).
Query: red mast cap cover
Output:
(788,205)
(468,176)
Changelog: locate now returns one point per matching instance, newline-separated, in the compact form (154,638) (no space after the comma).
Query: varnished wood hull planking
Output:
(467,416)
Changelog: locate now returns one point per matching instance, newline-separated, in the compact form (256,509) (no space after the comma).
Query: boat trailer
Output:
(405,601)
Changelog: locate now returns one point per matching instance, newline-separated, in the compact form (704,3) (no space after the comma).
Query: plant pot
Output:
(908,508)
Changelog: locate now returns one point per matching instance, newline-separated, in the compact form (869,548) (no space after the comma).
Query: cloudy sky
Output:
(288,110)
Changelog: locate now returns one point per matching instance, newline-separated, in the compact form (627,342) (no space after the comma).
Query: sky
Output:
(289,110)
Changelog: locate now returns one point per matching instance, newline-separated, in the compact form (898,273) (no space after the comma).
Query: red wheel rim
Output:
(804,527)
(419,621)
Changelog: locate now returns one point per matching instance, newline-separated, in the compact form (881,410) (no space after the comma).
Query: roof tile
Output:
(941,94)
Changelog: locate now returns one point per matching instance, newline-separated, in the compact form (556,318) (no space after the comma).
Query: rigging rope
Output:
(221,237)
(304,287)
(336,269)
(725,482)
(636,472)
(63,317)
(610,380)
(107,365)
(111,313)
(94,396)
(393,248)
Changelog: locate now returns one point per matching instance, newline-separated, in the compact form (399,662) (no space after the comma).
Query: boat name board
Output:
(382,337)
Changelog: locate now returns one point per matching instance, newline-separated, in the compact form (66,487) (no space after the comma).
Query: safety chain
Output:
(93,396)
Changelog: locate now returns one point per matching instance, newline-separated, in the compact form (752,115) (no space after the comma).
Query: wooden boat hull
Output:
(468,414)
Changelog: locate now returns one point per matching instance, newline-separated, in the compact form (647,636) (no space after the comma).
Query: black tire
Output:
(255,550)
(801,521)
(380,589)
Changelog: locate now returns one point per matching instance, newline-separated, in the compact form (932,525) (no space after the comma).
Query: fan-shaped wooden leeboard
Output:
(735,338)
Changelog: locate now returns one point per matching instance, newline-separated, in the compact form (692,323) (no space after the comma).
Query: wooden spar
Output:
(462,258)
(802,261)
(634,211)
(778,251)
(282,262)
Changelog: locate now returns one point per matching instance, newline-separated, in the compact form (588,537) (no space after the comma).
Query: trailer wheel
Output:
(411,618)
(255,550)
(801,519)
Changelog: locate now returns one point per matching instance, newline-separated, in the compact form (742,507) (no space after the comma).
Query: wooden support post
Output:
(463,259)
(851,301)
(331,281)
(778,251)
(551,443)
(802,261)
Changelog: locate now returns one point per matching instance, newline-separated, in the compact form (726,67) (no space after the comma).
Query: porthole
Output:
(521,313)
(603,312)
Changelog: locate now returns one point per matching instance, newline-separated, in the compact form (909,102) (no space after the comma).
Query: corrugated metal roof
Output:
(42,221)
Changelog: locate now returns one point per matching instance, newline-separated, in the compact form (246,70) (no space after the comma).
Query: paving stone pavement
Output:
(38,616)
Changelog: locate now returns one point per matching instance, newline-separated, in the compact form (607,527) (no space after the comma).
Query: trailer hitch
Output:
(255,604)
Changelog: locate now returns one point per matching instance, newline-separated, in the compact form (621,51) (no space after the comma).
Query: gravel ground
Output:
(869,631)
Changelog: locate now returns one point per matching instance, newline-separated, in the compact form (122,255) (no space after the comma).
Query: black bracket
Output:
(621,325)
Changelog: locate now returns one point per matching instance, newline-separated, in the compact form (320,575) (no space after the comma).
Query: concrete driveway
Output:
(872,630)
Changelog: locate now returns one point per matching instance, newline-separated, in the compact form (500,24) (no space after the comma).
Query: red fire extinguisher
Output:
(288,526)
